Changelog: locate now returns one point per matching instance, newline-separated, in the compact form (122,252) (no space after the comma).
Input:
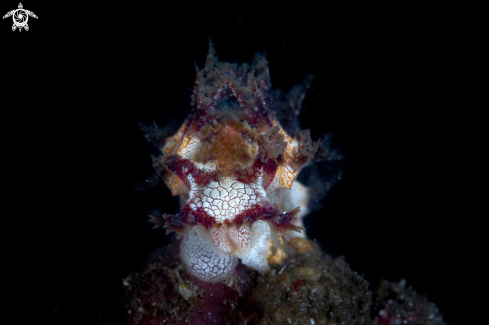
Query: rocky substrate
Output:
(303,286)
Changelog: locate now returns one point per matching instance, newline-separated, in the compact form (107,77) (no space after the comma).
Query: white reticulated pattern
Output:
(202,259)
(209,255)
(226,198)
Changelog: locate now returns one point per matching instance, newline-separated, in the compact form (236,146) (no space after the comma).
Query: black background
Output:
(395,86)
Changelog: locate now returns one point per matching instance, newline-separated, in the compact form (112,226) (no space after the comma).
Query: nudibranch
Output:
(233,167)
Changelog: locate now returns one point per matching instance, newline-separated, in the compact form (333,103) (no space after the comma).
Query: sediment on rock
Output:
(306,287)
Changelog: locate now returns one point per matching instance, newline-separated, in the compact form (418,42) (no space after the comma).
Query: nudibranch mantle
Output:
(233,166)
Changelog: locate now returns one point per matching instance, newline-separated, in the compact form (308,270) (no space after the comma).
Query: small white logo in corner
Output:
(20,17)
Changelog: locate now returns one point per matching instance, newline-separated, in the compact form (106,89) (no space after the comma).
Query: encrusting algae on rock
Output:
(241,254)
(307,286)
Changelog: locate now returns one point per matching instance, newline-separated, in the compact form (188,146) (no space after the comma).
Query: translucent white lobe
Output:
(212,256)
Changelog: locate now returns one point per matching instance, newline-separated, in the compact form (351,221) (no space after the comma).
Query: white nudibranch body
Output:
(233,166)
